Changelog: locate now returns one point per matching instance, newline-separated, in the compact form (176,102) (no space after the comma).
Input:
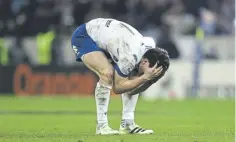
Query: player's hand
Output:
(152,72)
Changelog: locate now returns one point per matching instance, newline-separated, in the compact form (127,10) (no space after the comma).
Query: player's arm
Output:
(144,86)
(140,88)
(122,84)
(164,62)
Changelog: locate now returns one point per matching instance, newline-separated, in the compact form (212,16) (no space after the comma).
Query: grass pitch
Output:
(61,119)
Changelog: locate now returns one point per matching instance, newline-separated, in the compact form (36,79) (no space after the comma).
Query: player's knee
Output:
(106,75)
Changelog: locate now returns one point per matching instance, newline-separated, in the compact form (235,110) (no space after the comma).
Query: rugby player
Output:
(124,61)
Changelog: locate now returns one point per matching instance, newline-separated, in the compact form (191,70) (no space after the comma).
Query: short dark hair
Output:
(152,56)
(159,56)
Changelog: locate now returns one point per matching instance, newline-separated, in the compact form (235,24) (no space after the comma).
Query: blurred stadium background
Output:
(45,93)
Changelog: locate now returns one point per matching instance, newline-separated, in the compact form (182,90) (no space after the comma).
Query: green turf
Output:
(61,119)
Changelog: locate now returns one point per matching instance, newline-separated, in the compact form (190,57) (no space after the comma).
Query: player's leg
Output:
(129,105)
(128,125)
(97,62)
(87,51)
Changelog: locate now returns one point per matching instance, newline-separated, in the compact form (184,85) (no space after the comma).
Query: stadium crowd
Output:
(156,18)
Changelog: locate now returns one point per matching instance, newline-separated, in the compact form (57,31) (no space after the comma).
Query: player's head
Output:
(150,58)
(153,56)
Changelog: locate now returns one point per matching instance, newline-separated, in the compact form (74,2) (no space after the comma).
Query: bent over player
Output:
(123,60)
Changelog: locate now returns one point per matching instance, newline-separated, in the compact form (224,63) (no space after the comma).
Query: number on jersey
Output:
(108,23)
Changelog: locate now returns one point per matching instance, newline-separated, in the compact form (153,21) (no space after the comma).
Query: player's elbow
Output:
(120,88)
(117,89)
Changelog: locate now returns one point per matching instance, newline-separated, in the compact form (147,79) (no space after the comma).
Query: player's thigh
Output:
(98,63)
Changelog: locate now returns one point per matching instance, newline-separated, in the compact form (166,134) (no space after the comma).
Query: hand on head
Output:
(156,63)
(152,72)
